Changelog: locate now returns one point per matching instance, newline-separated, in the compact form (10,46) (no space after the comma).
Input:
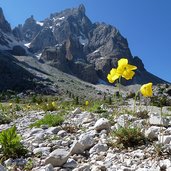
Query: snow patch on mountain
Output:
(61,18)
(58,19)
(96,51)
(27,44)
(38,55)
(39,23)
(83,40)
(58,24)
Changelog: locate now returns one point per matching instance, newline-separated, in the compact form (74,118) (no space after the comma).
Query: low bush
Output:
(11,145)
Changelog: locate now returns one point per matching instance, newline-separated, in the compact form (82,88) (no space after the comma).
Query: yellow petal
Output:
(146,90)
(120,70)
(131,67)
(109,77)
(115,77)
(53,104)
(86,103)
(122,62)
(112,78)
(128,74)
(113,71)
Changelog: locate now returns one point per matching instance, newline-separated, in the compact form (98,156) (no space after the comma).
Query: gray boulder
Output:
(58,157)
(48,167)
(86,140)
(71,163)
(152,132)
(42,150)
(98,148)
(156,119)
(76,148)
(101,124)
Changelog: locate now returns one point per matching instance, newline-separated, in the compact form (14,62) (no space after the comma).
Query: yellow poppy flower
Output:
(53,104)
(125,70)
(28,106)
(146,90)
(10,105)
(86,102)
(113,75)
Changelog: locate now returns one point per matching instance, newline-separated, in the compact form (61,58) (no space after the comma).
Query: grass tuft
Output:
(50,120)
(129,137)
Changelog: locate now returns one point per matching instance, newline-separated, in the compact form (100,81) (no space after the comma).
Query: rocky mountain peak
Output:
(4,25)
(30,28)
(81,8)
(7,40)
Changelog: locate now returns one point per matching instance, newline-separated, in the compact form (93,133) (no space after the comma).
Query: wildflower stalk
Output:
(161,130)
(119,90)
(119,85)
(135,99)
(140,105)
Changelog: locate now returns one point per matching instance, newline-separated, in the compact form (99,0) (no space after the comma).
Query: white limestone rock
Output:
(101,124)
(58,157)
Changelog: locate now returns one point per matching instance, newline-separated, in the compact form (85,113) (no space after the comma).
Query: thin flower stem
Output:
(119,82)
(119,88)
(140,104)
(135,98)
(161,114)
(146,103)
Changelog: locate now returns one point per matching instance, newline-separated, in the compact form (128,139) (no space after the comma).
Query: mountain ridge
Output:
(70,42)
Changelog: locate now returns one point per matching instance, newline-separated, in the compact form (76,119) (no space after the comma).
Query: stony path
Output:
(85,146)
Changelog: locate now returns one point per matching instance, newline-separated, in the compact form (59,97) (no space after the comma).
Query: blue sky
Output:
(145,23)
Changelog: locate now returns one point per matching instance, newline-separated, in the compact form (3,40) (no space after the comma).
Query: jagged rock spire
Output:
(82,9)
(4,25)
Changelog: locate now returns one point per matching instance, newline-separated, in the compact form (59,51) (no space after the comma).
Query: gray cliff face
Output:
(42,40)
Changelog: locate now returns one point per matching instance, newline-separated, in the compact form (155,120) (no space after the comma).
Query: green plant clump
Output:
(129,137)
(96,107)
(11,145)
(4,119)
(50,120)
